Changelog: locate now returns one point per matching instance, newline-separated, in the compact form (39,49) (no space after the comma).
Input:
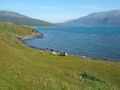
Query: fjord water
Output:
(95,42)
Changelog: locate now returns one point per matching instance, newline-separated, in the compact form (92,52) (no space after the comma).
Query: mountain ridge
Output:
(11,16)
(105,18)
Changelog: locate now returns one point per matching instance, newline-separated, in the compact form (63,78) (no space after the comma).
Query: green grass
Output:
(24,68)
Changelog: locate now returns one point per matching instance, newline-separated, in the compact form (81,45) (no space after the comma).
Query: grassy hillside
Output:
(23,68)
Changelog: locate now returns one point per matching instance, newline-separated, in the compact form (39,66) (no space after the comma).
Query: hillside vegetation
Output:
(24,68)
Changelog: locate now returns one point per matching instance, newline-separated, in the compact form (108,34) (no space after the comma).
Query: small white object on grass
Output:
(54,53)
(84,57)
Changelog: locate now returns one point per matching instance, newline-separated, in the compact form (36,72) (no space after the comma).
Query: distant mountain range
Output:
(10,16)
(108,18)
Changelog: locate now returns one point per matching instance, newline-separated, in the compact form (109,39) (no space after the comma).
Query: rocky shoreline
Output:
(36,34)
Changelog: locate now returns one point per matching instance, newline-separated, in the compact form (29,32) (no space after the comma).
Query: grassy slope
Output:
(23,68)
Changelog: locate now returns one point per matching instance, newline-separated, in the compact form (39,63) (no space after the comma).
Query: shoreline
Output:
(35,36)
(40,35)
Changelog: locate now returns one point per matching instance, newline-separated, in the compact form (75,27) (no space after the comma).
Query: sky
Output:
(57,11)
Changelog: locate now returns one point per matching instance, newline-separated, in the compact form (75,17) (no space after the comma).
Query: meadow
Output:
(25,68)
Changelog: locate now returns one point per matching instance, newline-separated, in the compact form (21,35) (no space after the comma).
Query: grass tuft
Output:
(91,76)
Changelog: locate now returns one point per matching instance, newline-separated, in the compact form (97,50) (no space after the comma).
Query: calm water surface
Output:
(95,42)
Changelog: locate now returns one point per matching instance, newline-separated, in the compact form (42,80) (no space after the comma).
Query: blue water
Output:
(95,42)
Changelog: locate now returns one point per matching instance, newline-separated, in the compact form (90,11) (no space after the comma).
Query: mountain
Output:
(107,18)
(10,16)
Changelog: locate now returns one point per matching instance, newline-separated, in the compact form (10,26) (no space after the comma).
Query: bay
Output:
(94,42)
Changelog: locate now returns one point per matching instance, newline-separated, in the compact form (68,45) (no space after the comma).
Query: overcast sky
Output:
(58,10)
